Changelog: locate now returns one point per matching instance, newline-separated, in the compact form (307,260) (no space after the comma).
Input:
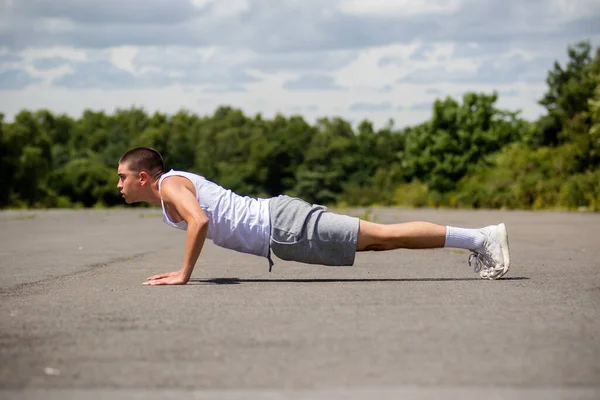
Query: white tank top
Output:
(235,222)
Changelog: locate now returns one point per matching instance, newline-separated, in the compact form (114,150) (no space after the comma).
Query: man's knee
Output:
(372,237)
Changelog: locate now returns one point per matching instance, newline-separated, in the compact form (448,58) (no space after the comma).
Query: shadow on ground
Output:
(237,281)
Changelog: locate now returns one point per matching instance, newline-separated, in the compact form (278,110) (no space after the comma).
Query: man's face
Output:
(129,184)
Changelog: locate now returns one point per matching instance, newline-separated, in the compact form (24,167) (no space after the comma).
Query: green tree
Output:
(328,162)
(569,89)
(27,159)
(6,168)
(87,181)
(470,153)
(594,133)
(443,150)
(288,140)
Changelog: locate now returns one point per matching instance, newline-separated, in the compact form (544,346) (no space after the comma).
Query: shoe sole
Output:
(502,236)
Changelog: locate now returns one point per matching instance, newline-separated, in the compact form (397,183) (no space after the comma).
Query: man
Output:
(290,227)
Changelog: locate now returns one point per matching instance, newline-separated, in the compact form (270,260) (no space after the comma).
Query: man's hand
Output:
(170,278)
(180,193)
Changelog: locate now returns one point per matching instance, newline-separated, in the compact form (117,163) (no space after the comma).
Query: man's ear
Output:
(144,177)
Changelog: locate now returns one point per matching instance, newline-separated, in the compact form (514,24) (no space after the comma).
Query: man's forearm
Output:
(196,235)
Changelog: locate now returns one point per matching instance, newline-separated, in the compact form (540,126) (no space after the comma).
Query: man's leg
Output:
(489,244)
(408,235)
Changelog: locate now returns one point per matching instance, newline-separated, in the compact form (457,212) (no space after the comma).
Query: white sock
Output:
(463,238)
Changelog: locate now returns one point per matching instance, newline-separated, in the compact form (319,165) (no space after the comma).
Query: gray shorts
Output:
(309,233)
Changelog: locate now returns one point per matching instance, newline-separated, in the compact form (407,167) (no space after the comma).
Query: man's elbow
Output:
(198,221)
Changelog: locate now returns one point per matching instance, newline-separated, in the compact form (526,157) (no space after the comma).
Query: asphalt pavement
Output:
(76,322)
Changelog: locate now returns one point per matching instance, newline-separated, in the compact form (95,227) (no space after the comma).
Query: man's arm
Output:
(176,193)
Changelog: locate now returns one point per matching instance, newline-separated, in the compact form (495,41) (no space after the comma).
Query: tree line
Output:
(469,154)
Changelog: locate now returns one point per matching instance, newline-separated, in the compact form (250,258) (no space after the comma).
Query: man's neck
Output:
(154,198)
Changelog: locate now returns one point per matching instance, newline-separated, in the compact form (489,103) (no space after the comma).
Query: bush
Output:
(580,191)
(413,194)
(525,178)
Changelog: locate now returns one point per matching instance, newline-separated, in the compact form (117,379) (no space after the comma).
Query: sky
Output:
(354,59)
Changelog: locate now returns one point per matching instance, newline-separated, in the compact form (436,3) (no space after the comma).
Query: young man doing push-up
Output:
(291,228)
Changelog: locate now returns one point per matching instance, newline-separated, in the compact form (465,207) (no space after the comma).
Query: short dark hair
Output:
(144,159)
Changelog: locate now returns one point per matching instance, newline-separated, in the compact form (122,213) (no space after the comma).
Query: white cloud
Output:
(206,53)
(365,72)
(49,75)
(222,9)
(573,9)
(69,53)
(398,7)
(122,57)
(368,70)
(440,52)
(30,56)
(54,25)
(202,3)
(190,58)
(257,54)
(266,97)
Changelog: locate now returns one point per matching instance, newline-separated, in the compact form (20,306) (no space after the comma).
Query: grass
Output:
(151,215)
(368,216)
(458,251)
(24,217)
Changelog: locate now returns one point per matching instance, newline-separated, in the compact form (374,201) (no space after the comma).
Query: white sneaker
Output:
(492,260)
